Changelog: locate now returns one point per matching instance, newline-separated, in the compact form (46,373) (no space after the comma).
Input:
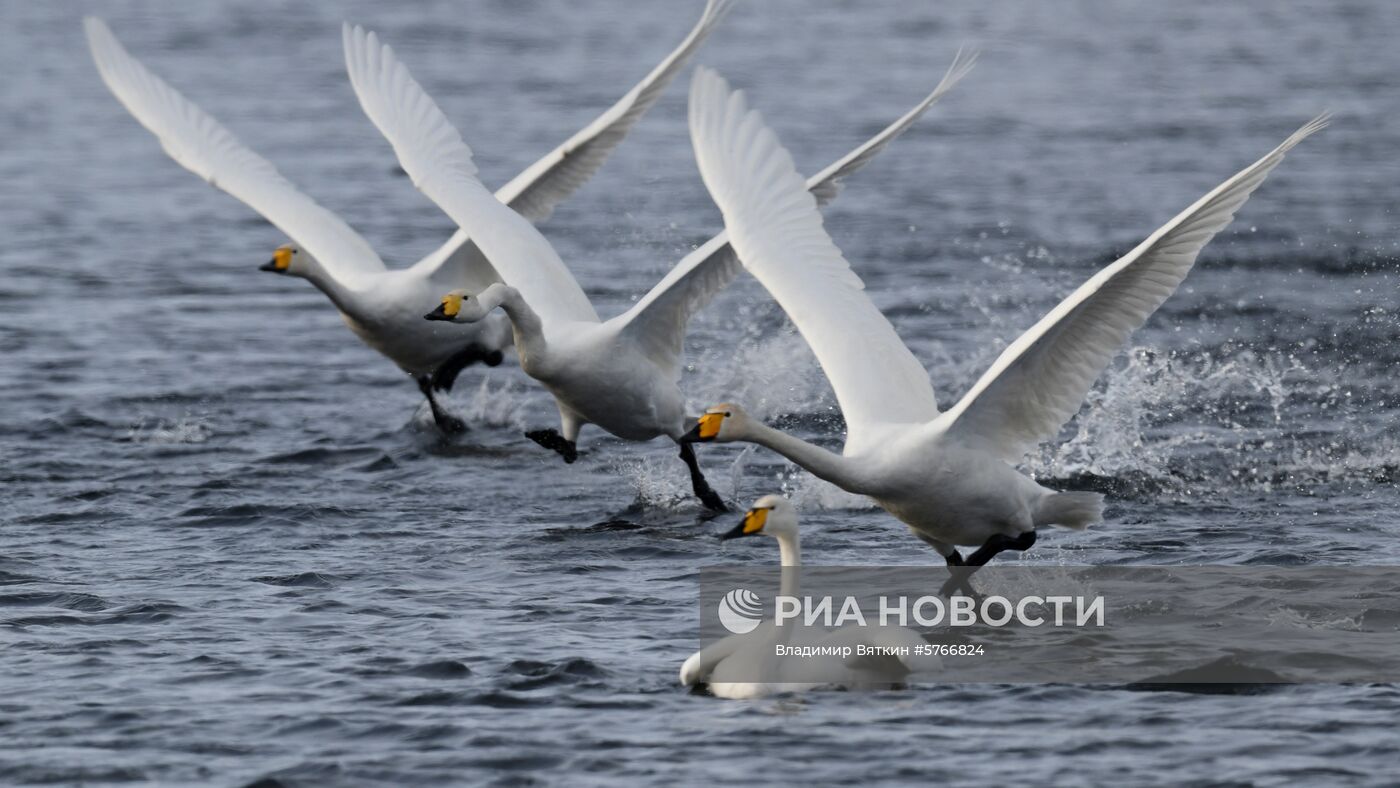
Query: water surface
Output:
(234,548)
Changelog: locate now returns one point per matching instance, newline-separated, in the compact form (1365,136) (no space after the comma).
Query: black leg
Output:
(445,421)
(552,440)
(446,373)
(958,575)
(998,543)
(702,488)
(961,569)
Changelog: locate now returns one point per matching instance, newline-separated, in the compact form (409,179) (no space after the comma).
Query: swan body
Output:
(621,374)
(581,364)
(946,474)
(747,666)
(382,306)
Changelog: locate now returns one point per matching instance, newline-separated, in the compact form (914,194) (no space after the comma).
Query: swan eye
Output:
(451,304)
(754,521)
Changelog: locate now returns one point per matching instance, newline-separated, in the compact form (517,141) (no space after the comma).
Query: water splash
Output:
(1225,417)
(498,406)
(659,482)
(770,376)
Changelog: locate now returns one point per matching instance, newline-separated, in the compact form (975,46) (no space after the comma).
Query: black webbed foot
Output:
(449,424)
(711,500)
(962,570)
(997,543)
(552,440)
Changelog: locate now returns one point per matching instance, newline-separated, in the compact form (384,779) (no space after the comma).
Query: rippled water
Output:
(233,548)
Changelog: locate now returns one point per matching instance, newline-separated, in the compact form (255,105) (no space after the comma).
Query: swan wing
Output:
(539,188)
(776,229)
(1041,379)
(439,163)
(827,183)
(698,667)
(549,181)
(659,319)
(201,145)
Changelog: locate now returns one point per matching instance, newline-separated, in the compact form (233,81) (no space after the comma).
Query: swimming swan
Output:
(383,307)
(747,666)
(947,475)
(621,375)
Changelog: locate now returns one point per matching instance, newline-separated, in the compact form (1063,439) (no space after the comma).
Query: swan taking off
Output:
(748,666)
(383,307)
(621,374)
(947,475)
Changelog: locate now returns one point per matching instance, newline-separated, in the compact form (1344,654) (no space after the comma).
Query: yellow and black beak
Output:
(751,524)
(280,262)
(448,309)
(705,429)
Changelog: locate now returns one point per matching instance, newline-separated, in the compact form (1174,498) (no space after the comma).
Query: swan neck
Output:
(790,554)
(526,326)
(341,296)
(821,463)
(789,550)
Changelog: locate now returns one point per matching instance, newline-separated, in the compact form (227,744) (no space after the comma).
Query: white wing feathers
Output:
(659,319)
(547,182)
(775,227)
(199,144)
(827,183)
(536,191)
(439,163)
(1041,379)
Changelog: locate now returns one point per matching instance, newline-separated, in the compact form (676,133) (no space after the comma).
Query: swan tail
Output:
(1077,510)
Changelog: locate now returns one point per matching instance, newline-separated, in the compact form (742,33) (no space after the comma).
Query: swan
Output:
(949,475)
(382,306)
(747,666)
(621,375)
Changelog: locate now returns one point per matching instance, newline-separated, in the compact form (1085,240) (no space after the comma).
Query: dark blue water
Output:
(233,547)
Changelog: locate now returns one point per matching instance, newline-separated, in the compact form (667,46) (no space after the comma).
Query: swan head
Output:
(722,423)
(459,306)
(288,259)
(771,515)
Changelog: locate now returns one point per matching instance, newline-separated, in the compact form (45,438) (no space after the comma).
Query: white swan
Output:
(621,375)
(948,475)
(747,666)
(383,307)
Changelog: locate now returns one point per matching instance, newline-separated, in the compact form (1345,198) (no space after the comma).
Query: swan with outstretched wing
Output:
(382,306)
(947,475)
(622,374)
